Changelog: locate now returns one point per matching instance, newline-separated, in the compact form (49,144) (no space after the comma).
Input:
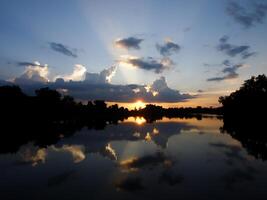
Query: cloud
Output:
(98,86)
(77,151)
(78,74)
(111,151)
(25,64)
(170,178)
(245,16)
(130,184)
(234,50)
(129,43)
(168,48)
(104,76)
(35,72)
(187,29)
(33,155)
(63,49)
(233,151)
(61,178)
(143,162)
(158,91)
(229,70)
(150,64)
(84,85)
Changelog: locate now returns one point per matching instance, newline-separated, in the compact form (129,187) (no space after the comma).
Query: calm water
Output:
(171,158)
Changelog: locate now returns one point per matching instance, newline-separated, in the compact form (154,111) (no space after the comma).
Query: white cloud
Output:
(78,74)
(34,73)
(104,76)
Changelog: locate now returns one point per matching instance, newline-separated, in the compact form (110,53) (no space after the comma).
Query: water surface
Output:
(170,158)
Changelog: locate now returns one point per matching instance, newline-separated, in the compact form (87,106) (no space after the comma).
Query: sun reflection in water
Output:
(148,137)
(155,131)
(140,120)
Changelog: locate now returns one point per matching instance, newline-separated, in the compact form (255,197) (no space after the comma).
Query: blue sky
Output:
(90,29)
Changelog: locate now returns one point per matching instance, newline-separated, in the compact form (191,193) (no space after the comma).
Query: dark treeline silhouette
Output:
(249,100)
(153,112)
(244,115)
(48,116)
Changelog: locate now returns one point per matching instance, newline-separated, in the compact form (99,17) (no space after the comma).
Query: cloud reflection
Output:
(35,156)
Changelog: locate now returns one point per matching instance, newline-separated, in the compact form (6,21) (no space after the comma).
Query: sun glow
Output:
(140,120)
(139,104)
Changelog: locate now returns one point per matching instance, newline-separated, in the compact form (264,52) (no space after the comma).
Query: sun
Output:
(139,104)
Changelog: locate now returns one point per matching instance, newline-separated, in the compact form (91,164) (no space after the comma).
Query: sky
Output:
(174,53)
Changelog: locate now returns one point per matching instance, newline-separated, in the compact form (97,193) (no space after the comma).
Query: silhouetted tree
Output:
(250,99)
(245,115)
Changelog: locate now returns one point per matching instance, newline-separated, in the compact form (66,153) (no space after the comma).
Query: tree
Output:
(48,94)
(251,98)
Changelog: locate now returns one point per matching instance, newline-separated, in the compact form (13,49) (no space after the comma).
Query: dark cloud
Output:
(229,71)
(60,179)
(187,29)
(61,48)
(146,161)
(25,64)
(150,64)
(84,85)
(234,50)
(168,48)
(237,175)
(97,86)
(233,151)
(248,54)
(226,63)
(159,92)
(130,184)
(170,178)
(129,43)
(247,16)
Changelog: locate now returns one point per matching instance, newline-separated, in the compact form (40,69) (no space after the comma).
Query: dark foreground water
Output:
(167,159)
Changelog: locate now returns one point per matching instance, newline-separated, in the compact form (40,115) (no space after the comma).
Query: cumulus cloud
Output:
(78,74)
(158,91)
(128,43)
(104,76)
(150,64)
(35,72)
(168,48)
(234,50)
(100,88)
(230,72)
(84,85)
(247,16)
(63,49)
(35,156)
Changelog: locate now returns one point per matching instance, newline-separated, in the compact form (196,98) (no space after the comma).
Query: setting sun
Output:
(139,104)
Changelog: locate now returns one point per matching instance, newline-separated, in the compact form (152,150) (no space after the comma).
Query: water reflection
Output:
(170,158)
